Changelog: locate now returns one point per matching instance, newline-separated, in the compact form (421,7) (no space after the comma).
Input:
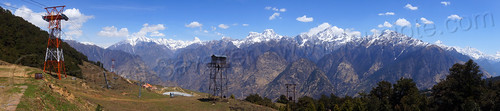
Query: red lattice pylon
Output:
(54,58)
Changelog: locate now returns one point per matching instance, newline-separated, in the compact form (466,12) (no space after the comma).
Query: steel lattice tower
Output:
(290,88)
(54,58)
(218,77)
(113,65)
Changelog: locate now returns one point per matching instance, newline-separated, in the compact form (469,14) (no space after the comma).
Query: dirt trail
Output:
(10,95)
(14,99)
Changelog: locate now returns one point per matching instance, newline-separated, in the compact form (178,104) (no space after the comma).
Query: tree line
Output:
(464,89)
(24,43)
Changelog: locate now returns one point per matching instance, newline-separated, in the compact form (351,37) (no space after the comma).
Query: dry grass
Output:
(123,96)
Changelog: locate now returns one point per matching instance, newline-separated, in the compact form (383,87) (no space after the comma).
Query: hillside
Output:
(126,65)
(18,84)
(23,49)
(24,43)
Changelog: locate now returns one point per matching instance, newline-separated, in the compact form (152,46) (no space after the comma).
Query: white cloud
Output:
(156,34)
(268,8)
(351,32)
(282,10)
(244,25)
(275,9)
(71,28)
(402,22)
(386,24)
(387,13)
(75,22)
(445,3)
(235,24)
(274,16)
(454,17)
(315,30)
(213,28)
(194,24)
(336,30)
(30,16)
(425,21)
(305,19)
(7,4)
(438,42)
(113,32)
(223,26)
(375,31)
(409,6)
(205,31)
(153,31)
(417,25)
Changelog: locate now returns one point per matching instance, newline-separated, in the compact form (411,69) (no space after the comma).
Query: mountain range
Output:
(322,61)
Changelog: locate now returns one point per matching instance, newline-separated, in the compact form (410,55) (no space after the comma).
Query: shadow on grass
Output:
(206,99)
(54,75)
(213,100)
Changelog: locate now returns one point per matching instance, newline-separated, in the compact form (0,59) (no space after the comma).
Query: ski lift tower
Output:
(54,58)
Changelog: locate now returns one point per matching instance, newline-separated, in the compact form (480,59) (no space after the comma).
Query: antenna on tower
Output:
(54,58)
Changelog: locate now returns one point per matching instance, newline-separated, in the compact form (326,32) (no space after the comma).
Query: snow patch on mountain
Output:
(325,33)
(316,30)
(169,43)
(497,56)
(255,37)
(394,38)
(469,51)
(87,43)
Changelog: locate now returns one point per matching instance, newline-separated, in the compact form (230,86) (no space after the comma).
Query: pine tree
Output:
(462,87)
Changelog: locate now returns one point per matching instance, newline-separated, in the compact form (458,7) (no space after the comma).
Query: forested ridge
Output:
(24,43)
(464,89)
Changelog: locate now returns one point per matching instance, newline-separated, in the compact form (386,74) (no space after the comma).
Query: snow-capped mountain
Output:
(255,37)
(471,52)
(394,38)
(324,34)
(338,58)
(169,43)
(87,43)
(327,35)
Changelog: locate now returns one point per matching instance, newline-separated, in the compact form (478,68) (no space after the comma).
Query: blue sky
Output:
(171,19)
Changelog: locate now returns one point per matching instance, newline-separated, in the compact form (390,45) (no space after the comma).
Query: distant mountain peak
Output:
(169,43)
(325,33)
(133,41)
(316,30)
(255,37)
(395,38)
(269,32)
(471,52)
(88,43)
